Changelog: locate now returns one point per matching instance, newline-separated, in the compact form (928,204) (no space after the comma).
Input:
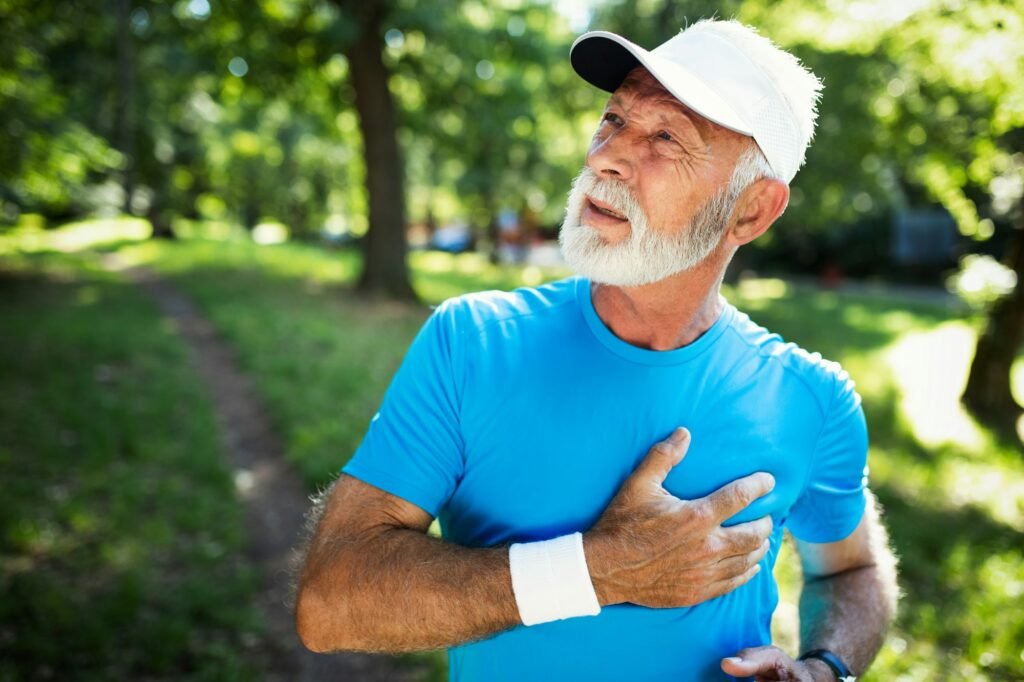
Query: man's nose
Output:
(609,157)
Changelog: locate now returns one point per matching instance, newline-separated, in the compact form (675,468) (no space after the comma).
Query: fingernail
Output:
(679,435)
(734,659)
(768,479)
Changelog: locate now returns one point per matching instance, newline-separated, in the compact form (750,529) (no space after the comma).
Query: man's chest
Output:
(544,455)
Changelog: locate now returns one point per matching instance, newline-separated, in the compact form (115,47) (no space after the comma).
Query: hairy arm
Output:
(850,593)
(373,580)
(847,603)
(372,567)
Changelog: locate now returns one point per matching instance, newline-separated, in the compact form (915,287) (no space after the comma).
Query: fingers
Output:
(720,587)
(662,457)
(769,661)
(733,497)
(744,538)
(738,564)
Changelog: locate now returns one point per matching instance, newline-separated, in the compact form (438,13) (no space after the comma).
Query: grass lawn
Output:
(954,494)
(120,539)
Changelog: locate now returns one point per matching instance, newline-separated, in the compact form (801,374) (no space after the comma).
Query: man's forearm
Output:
(399,590)
(847,614)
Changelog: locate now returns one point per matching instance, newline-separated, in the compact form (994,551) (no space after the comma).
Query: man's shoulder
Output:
(482,309)
(824,379)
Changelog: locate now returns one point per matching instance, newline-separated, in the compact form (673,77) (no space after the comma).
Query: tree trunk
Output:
(384,247)
(125,124)
(988,395)
(158,218)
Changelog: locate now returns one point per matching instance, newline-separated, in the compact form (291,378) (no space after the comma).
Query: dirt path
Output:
(275,501)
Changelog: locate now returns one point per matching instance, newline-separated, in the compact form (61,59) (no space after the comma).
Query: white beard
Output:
(645,256)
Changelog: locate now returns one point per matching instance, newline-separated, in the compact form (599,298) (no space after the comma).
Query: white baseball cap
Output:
(710,75)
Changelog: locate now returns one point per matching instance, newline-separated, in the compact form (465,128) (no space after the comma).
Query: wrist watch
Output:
(834,663)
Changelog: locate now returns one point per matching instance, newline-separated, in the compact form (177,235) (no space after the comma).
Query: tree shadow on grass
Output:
(958,563)
(947,557)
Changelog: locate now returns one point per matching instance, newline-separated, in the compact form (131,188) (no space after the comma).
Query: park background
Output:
(305,177)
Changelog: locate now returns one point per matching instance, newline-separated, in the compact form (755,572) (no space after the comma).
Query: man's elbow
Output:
(320,623)
(309,623)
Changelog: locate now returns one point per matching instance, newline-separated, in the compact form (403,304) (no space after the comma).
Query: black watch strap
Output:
(842,673)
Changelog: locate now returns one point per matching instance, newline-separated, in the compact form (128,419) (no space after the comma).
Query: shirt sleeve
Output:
(413,447)
(832,502)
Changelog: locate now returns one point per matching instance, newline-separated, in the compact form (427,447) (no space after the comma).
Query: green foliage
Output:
(120,538)
(651,22)
(47,155)
(960,76)
(495,116)
(937,85)
(267,126)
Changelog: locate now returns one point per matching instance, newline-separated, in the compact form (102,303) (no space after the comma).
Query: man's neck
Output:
(667,314)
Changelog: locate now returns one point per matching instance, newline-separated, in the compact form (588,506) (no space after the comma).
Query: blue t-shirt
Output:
(517,416)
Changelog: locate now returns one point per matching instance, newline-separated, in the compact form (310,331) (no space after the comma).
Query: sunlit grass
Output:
(930,370)
(761,290)
(437,276)
(294,261)
(31,237)
(987,485)
(440,262)
(270,233)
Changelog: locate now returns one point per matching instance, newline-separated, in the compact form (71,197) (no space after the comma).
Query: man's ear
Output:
(758,207)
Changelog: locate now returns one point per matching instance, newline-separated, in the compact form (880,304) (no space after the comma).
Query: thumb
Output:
(756,661)
(663,457)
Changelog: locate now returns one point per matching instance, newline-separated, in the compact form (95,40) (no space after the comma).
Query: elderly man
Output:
(571,548)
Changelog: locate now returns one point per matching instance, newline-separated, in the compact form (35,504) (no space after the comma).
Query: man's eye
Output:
(613,118)
(664,136)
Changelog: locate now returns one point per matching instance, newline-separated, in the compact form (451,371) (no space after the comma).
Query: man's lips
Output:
(603,209)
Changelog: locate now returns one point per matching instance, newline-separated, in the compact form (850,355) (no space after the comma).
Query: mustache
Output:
(615,193)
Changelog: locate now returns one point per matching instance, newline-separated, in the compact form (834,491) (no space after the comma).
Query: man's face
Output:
(651,200)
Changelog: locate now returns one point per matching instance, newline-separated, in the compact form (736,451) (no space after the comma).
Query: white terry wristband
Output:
(550,580)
